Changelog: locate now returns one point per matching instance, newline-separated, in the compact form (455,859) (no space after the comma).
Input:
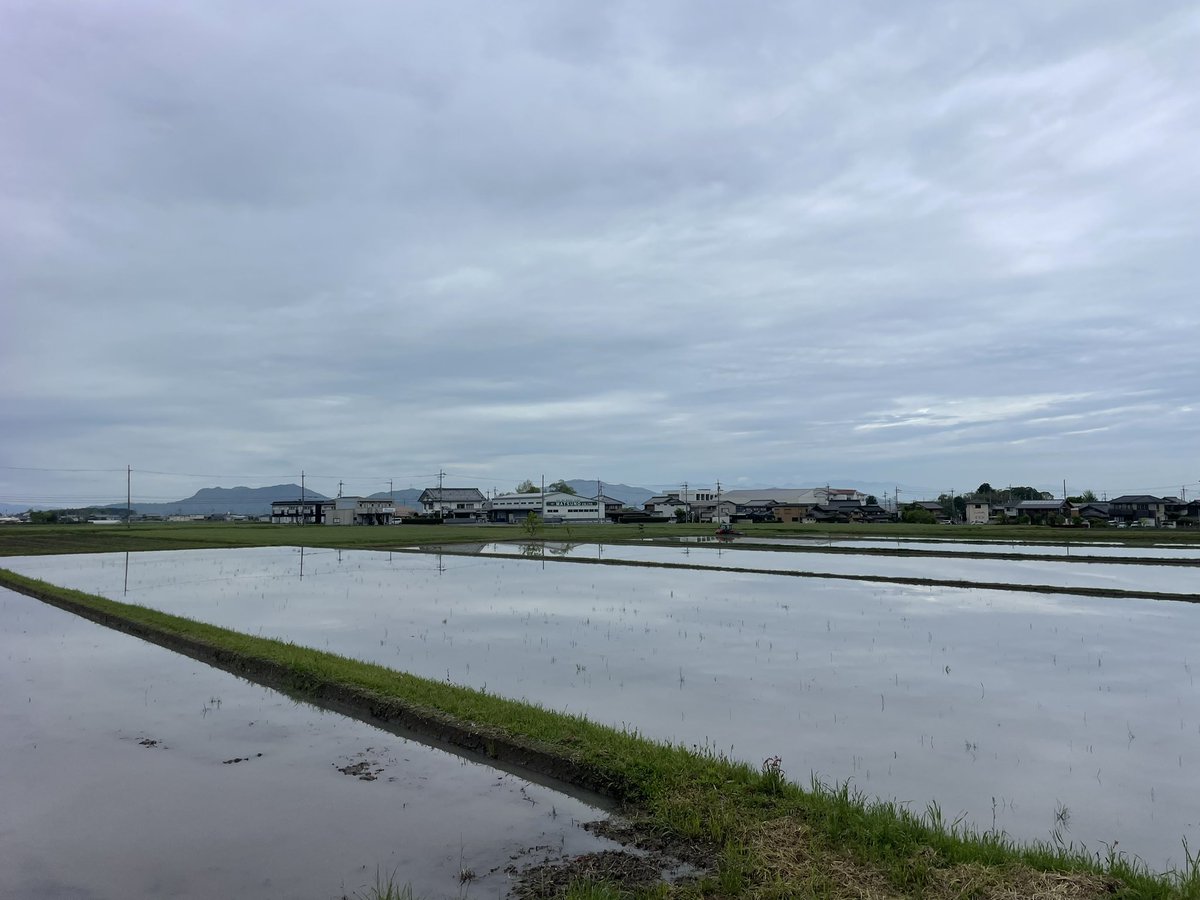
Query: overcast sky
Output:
(770,243)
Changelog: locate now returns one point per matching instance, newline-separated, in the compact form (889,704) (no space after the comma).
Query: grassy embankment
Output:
(759,834)
(27,540)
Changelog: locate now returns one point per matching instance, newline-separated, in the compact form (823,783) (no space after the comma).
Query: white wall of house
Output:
(978,513)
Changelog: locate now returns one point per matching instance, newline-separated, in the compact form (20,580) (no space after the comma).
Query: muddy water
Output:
(128,771)
(1023,712)
(1126,577)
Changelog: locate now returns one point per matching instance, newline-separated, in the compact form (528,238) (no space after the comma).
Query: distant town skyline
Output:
(924,245)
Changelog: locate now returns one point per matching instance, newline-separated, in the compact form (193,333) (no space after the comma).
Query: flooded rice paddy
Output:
(131,771)
(1125,577)
(939,545)
(1020,712)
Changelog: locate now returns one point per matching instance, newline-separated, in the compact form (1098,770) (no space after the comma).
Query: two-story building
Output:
(359,511)
(1143,509)
(453,503)
(300,512)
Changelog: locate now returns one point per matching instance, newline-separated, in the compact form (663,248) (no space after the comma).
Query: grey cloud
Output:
(645,243)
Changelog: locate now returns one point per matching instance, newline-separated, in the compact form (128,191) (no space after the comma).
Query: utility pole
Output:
(128,495)
(301,497)
(719,522)
(543,497)
(340,488)
(1064,489)
(440,499)
(599,501)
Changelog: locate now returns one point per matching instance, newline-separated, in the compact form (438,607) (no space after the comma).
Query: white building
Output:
(359,511)
(554,506)
(978,513)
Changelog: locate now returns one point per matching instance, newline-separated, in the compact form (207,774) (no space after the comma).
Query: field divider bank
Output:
(1109,593)
(751,831)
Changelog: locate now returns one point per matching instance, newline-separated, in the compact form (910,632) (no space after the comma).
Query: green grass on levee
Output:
(27,540)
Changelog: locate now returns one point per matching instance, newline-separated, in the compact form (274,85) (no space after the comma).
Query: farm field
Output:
(1038,716)
(1065,549)
(128,770)
(1150,578)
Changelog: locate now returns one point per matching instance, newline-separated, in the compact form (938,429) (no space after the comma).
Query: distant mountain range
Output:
(627,494)
(247,501)
(239,501)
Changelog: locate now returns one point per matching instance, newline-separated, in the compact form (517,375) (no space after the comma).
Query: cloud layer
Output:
(944,244)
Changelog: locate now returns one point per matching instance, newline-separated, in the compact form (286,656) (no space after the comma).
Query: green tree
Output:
(532,524)
(561,486)
(918,516)
(956,505)
(527,487)
(872,500)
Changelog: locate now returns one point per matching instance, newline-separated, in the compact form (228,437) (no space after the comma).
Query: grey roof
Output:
(451,495)
(1136,498)
(1041,504)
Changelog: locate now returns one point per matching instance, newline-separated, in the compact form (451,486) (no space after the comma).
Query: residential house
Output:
(612,506)
(755,511)
(1091,512)
(299,512)
(932,507)
(1044,512)
(666,504)
(791,512)
(453,503)
(720,513)
(847,511)
(359,511)
(794,496)
(1144,509)
(978,512)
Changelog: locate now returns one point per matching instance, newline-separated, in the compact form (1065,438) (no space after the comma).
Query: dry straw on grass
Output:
(791,862)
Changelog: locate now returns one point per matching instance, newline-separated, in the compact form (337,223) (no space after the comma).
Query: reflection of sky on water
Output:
(968,697)
(1121,576)
(1077,548)
(117,773)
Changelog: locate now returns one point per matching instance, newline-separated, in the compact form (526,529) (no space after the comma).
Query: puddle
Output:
(130,771)
(1007,708)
